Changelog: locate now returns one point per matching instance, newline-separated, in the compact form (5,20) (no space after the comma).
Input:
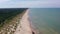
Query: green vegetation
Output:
(9,13)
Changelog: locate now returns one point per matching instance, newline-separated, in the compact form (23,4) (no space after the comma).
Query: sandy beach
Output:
(20,24)
(24,25)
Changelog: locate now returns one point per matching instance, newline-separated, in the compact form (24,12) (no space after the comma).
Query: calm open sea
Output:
(46,20)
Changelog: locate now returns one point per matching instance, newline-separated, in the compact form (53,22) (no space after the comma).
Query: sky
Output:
(29,3)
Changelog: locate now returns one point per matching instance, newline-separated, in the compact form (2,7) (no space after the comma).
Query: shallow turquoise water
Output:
(46,20)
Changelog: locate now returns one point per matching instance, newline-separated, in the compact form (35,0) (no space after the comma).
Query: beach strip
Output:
(24,25)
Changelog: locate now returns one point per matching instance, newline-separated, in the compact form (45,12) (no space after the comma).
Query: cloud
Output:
(29,4)
(2,1)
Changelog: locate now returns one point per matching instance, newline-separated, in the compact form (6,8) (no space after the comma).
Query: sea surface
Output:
(46,20)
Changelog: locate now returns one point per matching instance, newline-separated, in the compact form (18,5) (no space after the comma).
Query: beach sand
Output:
(11,24)
(20,24)
(24,25)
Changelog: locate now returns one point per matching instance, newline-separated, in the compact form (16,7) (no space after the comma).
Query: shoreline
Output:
(32,27)
(33,30)
(25,25)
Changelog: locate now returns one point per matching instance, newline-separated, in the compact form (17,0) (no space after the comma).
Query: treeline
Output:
(6,13)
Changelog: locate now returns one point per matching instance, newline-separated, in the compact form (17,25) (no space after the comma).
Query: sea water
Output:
(46,20)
